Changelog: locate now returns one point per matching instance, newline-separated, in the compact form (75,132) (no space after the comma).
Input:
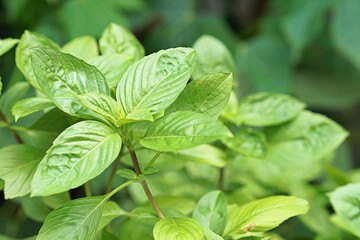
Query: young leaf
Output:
(211,210)
(264,214)
(212,57)
(77,219)
(267,109)
(17,167)
(180,130)
(64,77)
(346,202)
(248,142)
(15,93)
(79,154)
(127,173)
(208,94)
(7,44)
(116,39)
(154,82)
(84,48)
(111,211)
(210,235)
(23,59)
(113,66)
(178,229)
(30,105)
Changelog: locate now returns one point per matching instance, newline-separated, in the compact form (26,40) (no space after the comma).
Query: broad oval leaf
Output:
(80,153)
(346,202)
(264,214)
(248,142)
(154,82)
(113,66)
(84,47)
(180,130)
(7,44)
(178,229)
(211,211)
(77,219)
(30,105)
(267,109)
(111,211)
(23,59)
(116,39)
(64,77)
(208,94)
(17,167)
(212,57)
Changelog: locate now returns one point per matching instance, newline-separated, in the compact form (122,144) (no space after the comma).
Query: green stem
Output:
(16,135)
(113,171)
(153,160)
(144,184)
(87,189)
(122,186)
(221,179)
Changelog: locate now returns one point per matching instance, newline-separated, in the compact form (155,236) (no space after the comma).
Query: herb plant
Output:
(170,123)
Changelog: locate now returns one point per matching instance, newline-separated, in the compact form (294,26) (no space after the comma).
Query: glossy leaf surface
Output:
(178,229)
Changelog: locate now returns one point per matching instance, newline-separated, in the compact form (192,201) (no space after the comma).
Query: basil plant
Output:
(161,145)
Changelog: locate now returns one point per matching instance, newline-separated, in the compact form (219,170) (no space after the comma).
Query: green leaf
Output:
(208,94)
(112,66)
(64,77)
(154,82)
(210,235)
(266,62)
(127,173)
(212,57)
(267,109)
(17,167)
(116,39)
(79,154)
(178,229)
(34,208)
(84,48)
(23,59)
(57,200)
(111,211)
(77,219)
(15,93)
(264,214)
(345,14)
(103,108)
(7,44)
(346,202)
(180,130)
(303,24)
(29,106)
(248,142)
(211,211)
(205,153)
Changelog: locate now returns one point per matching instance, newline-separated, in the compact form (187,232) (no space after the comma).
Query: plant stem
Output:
(221,179)
(120,187)
(87,189)
(144,184)
(113,171)
(16,135)
(153,160)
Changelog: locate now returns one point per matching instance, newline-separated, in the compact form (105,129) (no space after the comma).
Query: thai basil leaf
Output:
(154,82)
(267,109)
(212,57)
(180,130)
(248,142)
(63,77)
(111,211)
(116,39)
(57,200)
(113,66)
(127,173)
(79,154)
(178,229)
(346,13)
(34,208)
(84,48)
(7,44)
(23,59)
(15,93)
(264,214)
(211,210)
(30,105)
(17,167)
(346,202)
(210,235)
(83,216)
(208,94)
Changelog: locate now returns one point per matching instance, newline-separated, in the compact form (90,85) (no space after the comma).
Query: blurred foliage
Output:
(306,48)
